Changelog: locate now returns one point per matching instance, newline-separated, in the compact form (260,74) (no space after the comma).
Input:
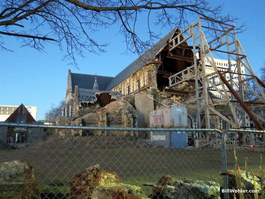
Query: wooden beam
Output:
(243,105)
(165,73)
(181,58)
(177,91)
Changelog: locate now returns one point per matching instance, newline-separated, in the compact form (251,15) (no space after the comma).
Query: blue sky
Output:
(39,78)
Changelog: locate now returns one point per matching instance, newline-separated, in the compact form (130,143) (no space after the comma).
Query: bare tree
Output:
(55,112)
(263,73)
(252,84)
(72,23)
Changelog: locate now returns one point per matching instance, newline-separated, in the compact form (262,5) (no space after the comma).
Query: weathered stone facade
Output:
(147,75)
(141,80)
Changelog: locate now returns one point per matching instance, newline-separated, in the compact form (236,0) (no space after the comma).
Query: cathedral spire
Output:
(95,86)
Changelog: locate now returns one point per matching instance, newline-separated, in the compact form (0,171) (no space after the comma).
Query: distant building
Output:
(21,135)
(231,75)
(7,110)
(81,89)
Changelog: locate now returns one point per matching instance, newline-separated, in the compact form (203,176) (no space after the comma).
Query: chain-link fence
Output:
(125,163)
(244,164)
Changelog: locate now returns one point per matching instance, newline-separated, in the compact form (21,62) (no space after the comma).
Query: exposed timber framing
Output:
(239,91)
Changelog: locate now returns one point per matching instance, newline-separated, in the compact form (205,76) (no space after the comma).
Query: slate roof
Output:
(106,83)
(141,61)
(87,81)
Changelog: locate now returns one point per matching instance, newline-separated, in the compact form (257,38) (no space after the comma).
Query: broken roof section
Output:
(87,81)
(143,60)
(106,83)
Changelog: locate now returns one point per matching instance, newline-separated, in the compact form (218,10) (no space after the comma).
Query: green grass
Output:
(56,164)
(129,163)
(55,189)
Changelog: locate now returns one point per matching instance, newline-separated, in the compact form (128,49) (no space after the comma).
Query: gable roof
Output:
(141,61)
(87,81)
(21,115)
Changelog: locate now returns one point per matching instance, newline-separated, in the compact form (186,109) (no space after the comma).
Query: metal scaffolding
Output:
(228,94)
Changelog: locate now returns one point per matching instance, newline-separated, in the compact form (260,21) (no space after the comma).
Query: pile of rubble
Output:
(118,112)
(96,183)
(17,180)
(184,188)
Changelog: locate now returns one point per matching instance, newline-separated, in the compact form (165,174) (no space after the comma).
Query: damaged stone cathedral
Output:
(140,88)
(182,69)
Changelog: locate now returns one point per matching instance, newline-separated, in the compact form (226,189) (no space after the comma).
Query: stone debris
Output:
(90,119)
(118,191)
(96,183)
(167,188)
(119,113)
(247,179)
(104,98)
(83,183)
(17,181)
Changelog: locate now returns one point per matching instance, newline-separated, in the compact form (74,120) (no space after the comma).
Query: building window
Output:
(138,84)
(129,89)
(146,78)
(132,86)
(123,89)
(70,111)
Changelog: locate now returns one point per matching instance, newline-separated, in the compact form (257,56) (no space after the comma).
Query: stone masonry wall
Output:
(142,79)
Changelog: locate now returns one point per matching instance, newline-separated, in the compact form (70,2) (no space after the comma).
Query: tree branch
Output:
(72,22)
(27,36)
(27,14)
(134,7)
(14,10)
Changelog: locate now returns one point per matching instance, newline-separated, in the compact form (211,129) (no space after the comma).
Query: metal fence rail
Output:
(81,162)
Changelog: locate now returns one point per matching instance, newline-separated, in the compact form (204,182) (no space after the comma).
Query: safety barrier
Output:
(81,162)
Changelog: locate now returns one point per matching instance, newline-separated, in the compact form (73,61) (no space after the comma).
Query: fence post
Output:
(224,165)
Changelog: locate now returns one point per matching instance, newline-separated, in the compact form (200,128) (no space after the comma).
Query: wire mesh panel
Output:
(106,163)
(103,164)
(245,164)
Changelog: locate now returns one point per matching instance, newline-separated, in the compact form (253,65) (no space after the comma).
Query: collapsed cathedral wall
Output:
(120,113)
(125,111)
